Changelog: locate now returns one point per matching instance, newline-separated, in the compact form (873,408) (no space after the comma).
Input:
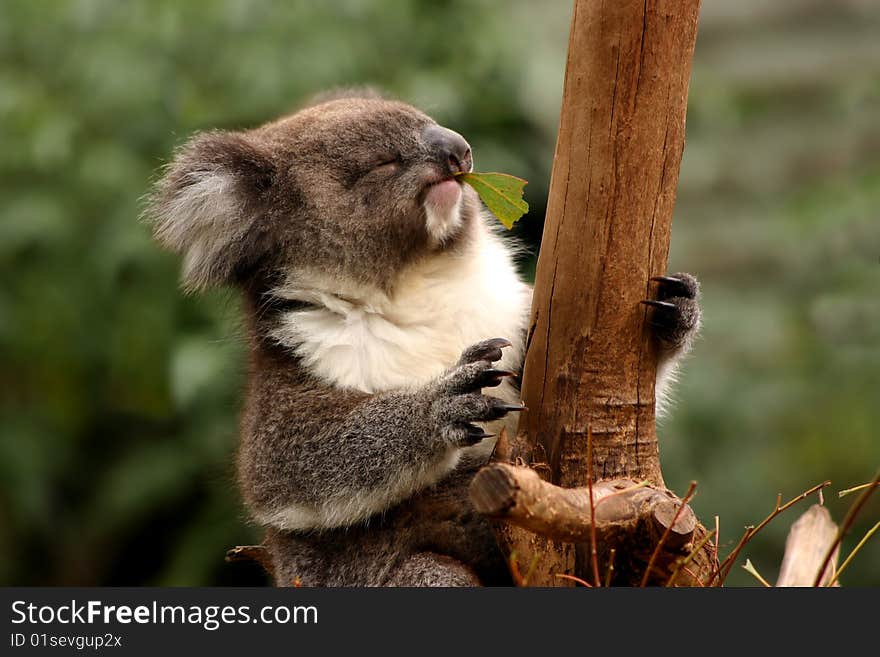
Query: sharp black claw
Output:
(677,285)
(501,408)
(491,377)
(489,350)
(498,373)
(659,304)
(475,434)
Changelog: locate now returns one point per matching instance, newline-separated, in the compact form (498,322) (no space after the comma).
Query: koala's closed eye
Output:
(387,164)
(384,165)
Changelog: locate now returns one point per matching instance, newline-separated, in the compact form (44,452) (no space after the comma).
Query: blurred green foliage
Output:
(120,396)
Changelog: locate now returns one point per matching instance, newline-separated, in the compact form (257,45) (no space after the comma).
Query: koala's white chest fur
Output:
(367,340)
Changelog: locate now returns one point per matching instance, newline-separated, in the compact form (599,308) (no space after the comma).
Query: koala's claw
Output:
(473,435)
(458,402)
(475,369)
(676,315)
(491,378)
(658,304)
(498,408)
(677,285)
(486,350)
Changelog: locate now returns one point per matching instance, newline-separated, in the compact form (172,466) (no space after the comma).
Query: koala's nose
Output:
(448,149)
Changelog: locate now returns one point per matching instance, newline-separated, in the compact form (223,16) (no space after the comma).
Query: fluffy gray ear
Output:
(210,206)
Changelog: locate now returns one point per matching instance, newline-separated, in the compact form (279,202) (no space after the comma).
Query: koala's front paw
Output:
(676,315)
(459,402)
(485,350)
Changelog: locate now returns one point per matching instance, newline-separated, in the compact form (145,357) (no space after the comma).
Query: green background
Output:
(120,395)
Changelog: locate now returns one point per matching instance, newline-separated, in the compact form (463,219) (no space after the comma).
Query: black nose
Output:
(448,149)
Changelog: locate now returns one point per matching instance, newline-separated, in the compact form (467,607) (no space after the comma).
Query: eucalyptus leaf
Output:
(502,194)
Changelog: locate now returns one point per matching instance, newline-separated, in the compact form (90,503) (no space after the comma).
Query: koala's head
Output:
(351,187)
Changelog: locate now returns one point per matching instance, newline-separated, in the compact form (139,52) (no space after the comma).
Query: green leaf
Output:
(501,193)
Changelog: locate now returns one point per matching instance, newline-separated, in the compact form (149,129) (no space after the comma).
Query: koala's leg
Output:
(433,538)
(429,569)
(675,320)
(316,457)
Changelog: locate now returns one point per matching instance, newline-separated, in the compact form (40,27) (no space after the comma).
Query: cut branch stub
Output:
(630,517)
(519,496)
(681,532)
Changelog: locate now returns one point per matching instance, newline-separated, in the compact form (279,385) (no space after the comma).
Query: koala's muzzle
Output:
(448,149)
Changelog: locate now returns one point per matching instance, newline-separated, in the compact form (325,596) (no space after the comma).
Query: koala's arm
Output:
(316,457)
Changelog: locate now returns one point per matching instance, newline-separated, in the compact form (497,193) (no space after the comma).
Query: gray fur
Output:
(344,451)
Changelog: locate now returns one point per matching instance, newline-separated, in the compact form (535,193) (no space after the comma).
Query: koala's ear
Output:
(210,206)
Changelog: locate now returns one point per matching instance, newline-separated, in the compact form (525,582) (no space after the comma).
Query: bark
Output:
(591,362)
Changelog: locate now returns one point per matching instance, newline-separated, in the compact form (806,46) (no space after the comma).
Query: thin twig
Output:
(531,570)
(751,532)
(848,520)
(518,578)
(732,556)
(574,579)
(787,505)
(751,570)
(717,563)
(659,546)
(694,577)
(514,569)
(846,492)
(693,553)
(717,539)
(610,572)
(852,554)
(594,554)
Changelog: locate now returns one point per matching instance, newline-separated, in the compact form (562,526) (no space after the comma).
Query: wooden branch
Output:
(808,541)
(622,507)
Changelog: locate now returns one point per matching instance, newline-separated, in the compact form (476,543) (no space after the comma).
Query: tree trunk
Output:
(591,363)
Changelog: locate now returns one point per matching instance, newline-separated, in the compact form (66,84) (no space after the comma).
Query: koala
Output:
(386,323)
